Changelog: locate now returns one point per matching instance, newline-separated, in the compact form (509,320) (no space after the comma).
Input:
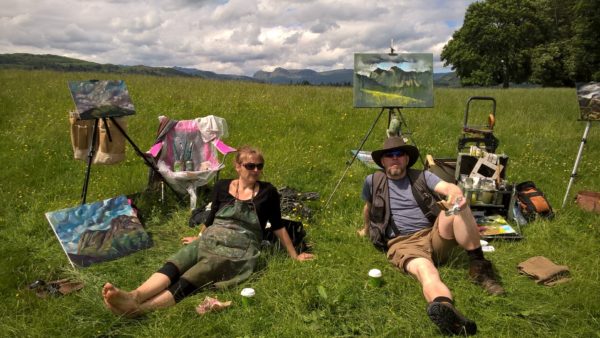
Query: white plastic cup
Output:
(375,279)
(247,296)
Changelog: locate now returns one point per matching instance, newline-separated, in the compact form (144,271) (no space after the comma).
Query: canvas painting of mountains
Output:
(96,99)
(588,95)
(99,231)
(397,80)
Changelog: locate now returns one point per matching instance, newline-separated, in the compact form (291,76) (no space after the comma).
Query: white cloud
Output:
(235,36)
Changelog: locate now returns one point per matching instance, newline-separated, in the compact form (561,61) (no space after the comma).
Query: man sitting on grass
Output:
(401,215)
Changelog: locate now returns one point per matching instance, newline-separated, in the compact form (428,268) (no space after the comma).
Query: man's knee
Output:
(445,226)
(422,268)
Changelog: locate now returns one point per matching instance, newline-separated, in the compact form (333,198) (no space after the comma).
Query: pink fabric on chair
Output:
(222,147)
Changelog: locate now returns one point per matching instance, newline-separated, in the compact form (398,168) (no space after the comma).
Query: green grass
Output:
(306,134)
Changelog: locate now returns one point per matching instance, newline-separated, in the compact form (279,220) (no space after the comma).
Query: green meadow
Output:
(306,134)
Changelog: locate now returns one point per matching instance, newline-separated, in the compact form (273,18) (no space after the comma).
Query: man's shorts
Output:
(426,243)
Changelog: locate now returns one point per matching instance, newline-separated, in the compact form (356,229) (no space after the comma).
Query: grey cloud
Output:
(293,39)
(240,36)
(322,27)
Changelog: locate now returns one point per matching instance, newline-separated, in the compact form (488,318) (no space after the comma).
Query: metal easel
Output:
(394,117)
(577,159)
(395,122)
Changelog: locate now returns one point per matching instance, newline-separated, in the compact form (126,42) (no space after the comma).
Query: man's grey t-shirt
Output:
(406,213)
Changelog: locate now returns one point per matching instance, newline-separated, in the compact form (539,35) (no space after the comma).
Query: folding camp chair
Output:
(187,152)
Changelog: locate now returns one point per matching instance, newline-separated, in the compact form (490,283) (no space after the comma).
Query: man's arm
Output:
(365,229)
(452,191)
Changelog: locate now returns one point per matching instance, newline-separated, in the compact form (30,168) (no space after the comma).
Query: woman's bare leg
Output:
(130,303)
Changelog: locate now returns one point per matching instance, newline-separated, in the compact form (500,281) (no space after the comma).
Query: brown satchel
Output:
(588,201)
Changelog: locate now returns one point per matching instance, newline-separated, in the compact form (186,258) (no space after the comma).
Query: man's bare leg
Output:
(440,307)
(463,228)
(429,277)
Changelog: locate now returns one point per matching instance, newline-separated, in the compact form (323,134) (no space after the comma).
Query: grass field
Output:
(306,134)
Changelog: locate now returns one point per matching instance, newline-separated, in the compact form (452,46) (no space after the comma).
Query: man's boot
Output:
(449,320)
(482,273)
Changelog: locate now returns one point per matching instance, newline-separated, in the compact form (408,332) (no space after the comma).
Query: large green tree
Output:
(550,42)
(584,61)
(495,42)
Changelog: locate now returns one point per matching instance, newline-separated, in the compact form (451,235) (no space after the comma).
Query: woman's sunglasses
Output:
(252,166)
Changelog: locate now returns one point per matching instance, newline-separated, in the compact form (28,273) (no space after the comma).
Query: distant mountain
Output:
(339,77)
(342,77)
(345,77)
(446,79)
(212,75)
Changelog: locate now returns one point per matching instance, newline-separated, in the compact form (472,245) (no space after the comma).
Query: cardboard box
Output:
(465,163)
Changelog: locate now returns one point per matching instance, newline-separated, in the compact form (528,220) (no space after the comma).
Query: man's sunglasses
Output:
(252,166)
(392,154)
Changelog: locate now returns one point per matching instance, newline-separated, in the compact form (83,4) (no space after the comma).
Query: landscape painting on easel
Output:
(100,231)
(96,99)
(588,95)
(393,80)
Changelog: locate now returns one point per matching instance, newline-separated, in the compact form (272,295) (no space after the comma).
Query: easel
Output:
(579,153)
(135,147)
(395,122)
(391,111)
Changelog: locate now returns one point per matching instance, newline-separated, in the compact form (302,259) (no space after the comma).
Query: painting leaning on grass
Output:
(100,231)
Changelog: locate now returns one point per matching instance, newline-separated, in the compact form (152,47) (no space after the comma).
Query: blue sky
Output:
(231,37)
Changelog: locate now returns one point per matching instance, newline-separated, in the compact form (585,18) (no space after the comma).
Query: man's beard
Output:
(395,171)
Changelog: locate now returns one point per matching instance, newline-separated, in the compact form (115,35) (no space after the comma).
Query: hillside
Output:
(65,64)
(341,77)
(337,77)
(212,75)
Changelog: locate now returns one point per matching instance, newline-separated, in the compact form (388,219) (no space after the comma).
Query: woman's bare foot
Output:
(362,232)
(120,302)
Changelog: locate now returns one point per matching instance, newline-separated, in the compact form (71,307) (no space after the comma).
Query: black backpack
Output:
(297,234)
(532,202)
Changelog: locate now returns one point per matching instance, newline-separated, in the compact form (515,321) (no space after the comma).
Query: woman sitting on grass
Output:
(224,254)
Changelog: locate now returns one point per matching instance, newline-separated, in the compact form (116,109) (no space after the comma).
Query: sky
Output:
(229,36)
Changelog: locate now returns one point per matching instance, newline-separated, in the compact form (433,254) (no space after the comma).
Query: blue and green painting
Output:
(99,231)
(393,80)
(96,99)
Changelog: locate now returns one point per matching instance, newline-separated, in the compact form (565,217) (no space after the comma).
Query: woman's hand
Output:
(305,256)
(188,240)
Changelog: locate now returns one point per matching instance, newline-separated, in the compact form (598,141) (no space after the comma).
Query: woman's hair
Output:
(245,152)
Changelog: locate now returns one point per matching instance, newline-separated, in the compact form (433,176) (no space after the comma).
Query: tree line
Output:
(547,42)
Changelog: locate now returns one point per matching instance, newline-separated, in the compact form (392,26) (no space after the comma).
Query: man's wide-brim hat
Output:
(395,143)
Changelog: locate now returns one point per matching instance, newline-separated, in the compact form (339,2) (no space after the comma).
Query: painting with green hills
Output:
(393,80)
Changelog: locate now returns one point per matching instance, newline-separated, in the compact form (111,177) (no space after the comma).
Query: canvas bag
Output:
(588,201)
(107,150)
(532,202)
